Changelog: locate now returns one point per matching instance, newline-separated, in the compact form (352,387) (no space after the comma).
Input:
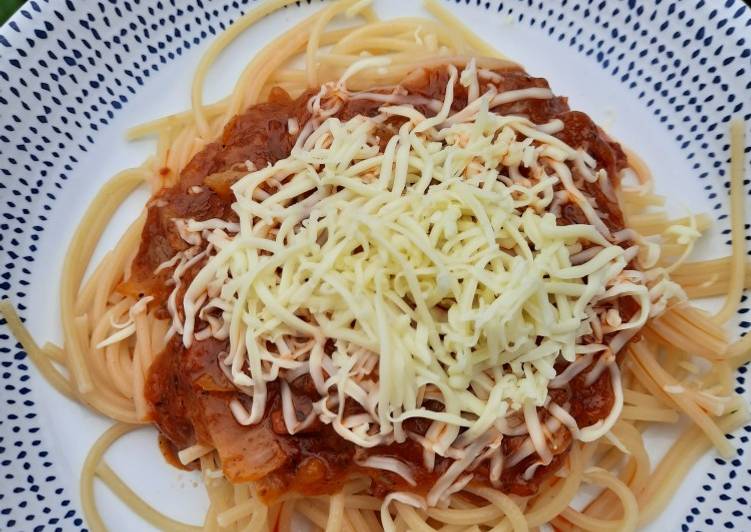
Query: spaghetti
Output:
(403,287)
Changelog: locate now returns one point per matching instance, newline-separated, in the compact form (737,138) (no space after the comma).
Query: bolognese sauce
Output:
(189,393)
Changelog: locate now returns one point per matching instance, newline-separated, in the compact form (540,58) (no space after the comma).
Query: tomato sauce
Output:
(186,388)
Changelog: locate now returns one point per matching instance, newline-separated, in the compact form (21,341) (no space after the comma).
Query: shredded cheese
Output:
(431,269)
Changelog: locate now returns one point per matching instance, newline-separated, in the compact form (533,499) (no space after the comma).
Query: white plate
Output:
(663,80)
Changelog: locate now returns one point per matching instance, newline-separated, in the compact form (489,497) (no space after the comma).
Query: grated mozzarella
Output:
(433,269)
(389,464)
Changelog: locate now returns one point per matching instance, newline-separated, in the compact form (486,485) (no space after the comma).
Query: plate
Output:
(664,80)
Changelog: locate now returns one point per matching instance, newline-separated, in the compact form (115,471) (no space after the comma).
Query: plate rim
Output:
(50,15)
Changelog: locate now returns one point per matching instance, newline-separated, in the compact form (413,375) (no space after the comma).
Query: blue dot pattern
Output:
(66,69)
